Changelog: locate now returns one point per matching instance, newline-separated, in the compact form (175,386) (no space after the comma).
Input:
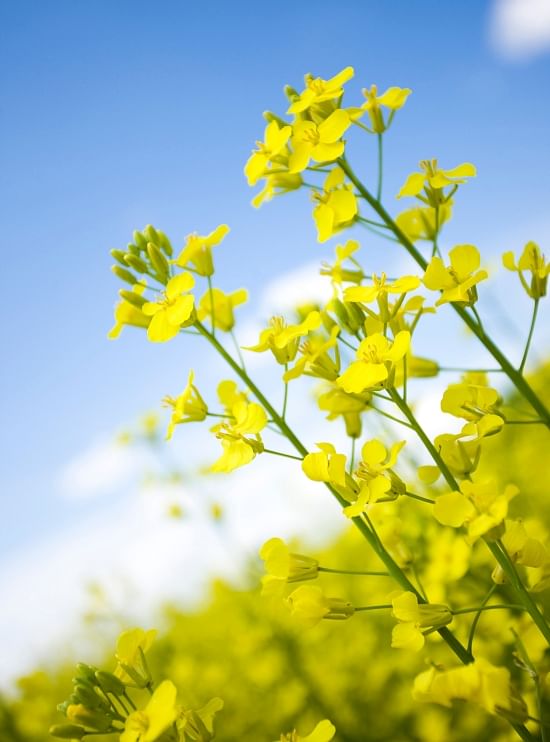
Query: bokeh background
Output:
(118,114)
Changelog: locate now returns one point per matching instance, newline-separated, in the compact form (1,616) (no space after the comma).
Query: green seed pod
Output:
(68,731)
(124,275)
(110,683)
(132,298)
(158,261)
(136,263)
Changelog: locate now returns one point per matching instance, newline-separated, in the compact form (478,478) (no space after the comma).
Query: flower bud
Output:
(136,263)
(132,298)
(133,249)
(124,275)
(291,93)
(151,234)
(118,255)
(110,683)
(158,261)
(68,731)
(90,718)
(269,116)
(140,240)
(85,673)
(165,243)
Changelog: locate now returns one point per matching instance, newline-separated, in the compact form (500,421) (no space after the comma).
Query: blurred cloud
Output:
(102,468)
(520,29)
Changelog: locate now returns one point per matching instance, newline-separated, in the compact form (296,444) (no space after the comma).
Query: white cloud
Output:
(101,469)
(520,29)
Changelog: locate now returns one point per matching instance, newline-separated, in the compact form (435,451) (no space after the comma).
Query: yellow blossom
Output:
(275,140)
(310,605)
(148,724)
(323,732)
(320,143)
(171,310)
(479,682)
(380,288)
(376,357)
(240,437)
(422,223)
(522,548)
(533,261)
(223,303)
(283,566)
(199,725)
(283,340)
(393,99)
(315,359)
(326,466)
(336,205)
(132,645)
(339,274)
(435,178)
(349,406)
(318,90)
(470,401)
(197,250)
(188,407)
(229,394)
(277,184)
(376,479)
(127,313)
(412,617)
(458,280)
(480,505)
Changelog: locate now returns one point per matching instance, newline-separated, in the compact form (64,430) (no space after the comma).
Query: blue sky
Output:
(119,114)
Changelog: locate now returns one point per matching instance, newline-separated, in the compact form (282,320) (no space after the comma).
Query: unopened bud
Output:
(158,261)
(110,683)
(151,234)
(136,263)
(118,255)
(140,240)
(132,298)
(88,717)
(291,93)
(85,672)
(124,275)
(133,249)
(68,731)
(165,243)
(269,116)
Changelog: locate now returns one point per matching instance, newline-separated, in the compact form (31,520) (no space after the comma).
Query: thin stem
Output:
(342,340)
(529,336)
(391,417)
(380,166)
(373,607)
(475,622)
(285,397)
(353,572)
(238,349)
(478,318)
(352,455)
(472,370)
(503,606)
(211,297)
(435,249)
(280,453)
(419,497)
(515,377)
(367,532)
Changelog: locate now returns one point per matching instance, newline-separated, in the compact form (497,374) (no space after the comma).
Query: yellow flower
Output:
(188,407)
(412,617)
(339,274)
(393,99)
(458,280)
(480,505)
(522,548)
(532,260)
(318,90)
(275,140)
(434,178)
(127,313)
(336,206)
(376,479)
(323,732)
(283,566)
(283,340)
(240,437)
(277,184)
(199,725)
(172,310)
(223,316)
(476,403)
(315,359)
(479,682)
(131,648)
(310,605)
(326,466)
(380,288)
(229,394)
(420,222)
(317,142)
(148,724)
(376,357)
(197,250)
(350,406)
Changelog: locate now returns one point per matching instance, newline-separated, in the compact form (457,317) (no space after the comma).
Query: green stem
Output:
(380,167)
(211,296)
(477,609)
(391,565)
(515,377)
(280,453)
(373,607)
(419,497)
(475,622)
(285,397)
(353,572)
(238,349)
(391,417)
(352,455)
(530,335)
